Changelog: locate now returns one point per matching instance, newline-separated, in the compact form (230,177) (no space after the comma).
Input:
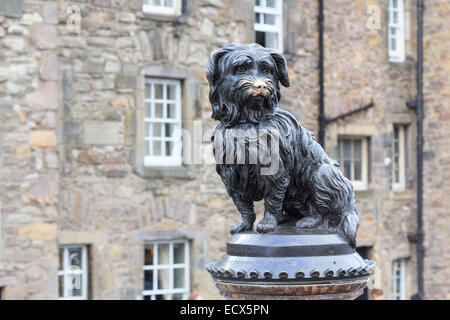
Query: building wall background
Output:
(69,116)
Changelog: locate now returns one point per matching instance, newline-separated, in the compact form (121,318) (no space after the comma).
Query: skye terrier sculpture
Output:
(307,185)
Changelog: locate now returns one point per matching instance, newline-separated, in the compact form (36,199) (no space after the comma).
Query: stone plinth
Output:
(290,264)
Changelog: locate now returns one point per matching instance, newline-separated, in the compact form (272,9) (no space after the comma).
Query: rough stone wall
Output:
(357,70)
(70,122)
(29,161)
(436,129)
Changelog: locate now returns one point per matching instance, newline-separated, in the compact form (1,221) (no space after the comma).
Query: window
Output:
(396,31)
(1,293)
(353,158)
(164,7)
(269,23)
(399,279)
(162,122)
(166,270)
(399,158)
(73,272)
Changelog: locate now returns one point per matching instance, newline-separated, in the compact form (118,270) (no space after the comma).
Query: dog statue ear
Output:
(212,68)
(280,61)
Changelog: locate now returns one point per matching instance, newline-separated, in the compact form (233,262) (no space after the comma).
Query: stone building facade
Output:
(73,89)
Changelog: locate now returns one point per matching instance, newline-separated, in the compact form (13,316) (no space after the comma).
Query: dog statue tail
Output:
(349,225)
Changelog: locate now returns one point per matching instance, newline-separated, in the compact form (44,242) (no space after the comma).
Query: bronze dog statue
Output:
(307,185)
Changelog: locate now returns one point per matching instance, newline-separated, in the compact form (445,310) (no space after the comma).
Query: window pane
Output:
(171,92)
(171,111)
(271,3)
(169,129)
(257,17)
(394,3)
(178,278)
(148,109)
(258,3)
(61,286)
(149,251)
(61,259)
(271,40)
(358,172)
(156,148)
(75,257)
(147,148)
(163,279)
(157,2)
(147,129)
(162,297)
(393,44)
(269,19)
(156,129)
(75,285)
(394,17)
(158,91)
(347,169)
(177,296)
(147,297)
(357,149)
(158,110)
(260,38)
(148,91)
(169,147)
(178,253)
(163,253)
(347,149)
(148,280)
(169,3)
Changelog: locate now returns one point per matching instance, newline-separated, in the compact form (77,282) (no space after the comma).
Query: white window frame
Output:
(149,104)
(362,184)
(397,54)
(150,7)
(400,185)
(66,272)
(399,266)
(171,266)
(278,27)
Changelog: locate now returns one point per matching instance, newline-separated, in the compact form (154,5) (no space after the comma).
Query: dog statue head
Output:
(244,83)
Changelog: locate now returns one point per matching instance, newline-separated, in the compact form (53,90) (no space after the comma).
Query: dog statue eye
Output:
(265,70)
(241,69)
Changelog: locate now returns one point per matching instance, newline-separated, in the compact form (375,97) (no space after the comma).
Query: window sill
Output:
(406,194)
(181,172)
(160,17)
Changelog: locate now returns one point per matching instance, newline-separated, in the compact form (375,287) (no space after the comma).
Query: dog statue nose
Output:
(259,85)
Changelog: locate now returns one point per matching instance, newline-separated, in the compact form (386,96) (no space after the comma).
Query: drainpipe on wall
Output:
(419,111)
(322,119)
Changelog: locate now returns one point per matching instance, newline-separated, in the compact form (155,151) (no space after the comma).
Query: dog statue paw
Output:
(241,226)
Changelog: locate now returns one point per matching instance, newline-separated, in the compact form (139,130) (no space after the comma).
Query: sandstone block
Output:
(43,139)
(102,132)
(44,36)
(11,8)
(38,231)
(45,98)
(51,12)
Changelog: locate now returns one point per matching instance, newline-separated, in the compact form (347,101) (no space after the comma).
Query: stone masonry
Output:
(71,117)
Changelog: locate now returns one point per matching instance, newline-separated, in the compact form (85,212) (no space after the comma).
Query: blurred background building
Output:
(96,201)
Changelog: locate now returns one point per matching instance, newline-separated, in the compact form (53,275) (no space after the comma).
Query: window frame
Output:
(150,8)
(172,160)
(65,271)
(399,265)
(171,266)
(358,185)
(397,55)
(400,185)
(277,28)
